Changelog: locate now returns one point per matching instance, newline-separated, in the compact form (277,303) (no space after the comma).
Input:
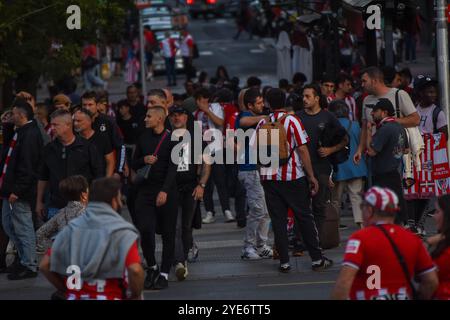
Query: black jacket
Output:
(80,158)
(22,172)
(163,172)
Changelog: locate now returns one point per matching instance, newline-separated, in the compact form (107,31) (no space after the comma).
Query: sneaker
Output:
(325,263)
(209,218)
(343,227)
(161,283)
(22,273)
(265,252)
(229,216)
(149,281)
(181,271)
(284,268)
(193,254)
(250,254)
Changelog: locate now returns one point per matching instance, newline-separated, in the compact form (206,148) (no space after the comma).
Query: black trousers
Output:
(238,192)
(393,181)
(188,68)
(186,210)
(218,178)
(416,209)
(319,201)
(151,220)
(281,195)
(3,241)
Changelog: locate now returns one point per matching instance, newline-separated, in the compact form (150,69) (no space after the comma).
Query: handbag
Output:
(401,260)
(143,173)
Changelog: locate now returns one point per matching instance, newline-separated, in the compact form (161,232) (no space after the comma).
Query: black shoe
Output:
(13,267)
(284,268)
(23,273)
(324,264)
(149,281)
(161,283)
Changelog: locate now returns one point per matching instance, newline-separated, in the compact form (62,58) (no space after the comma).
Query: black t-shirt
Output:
(103,146)
(314,126)
(138,111)
(389,142)
(131,129)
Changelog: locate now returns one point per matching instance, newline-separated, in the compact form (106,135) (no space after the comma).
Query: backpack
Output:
(281,146)
(342,155)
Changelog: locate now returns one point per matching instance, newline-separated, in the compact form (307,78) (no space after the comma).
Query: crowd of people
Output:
(66,166)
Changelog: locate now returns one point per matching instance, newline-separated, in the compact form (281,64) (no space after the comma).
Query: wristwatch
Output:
(202,185)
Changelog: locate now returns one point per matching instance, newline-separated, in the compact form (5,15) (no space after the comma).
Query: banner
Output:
(434,177)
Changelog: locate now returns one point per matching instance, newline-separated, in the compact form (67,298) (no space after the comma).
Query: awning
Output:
(358,3)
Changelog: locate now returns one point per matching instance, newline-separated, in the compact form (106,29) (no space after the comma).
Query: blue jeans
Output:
(18,224)
(91,79)
(170,71)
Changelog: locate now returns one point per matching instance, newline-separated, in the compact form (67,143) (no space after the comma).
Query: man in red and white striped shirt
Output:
(289,187)
(344,90)
(169,47)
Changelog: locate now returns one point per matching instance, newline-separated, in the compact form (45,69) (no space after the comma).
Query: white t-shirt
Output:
(426,119)
(404,100)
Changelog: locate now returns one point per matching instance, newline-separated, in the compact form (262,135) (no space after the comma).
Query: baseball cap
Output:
(178,109)
(385,105)
(383,199)
(421,82)
(61,99)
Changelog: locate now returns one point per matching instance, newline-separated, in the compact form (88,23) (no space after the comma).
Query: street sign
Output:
(142,4)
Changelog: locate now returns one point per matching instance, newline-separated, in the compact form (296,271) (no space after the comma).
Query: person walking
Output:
(156,205)
(187,53)
(65,156)
(169,47)
(192,176)
(398,253)
(102,245)
(18,188)
(258,220)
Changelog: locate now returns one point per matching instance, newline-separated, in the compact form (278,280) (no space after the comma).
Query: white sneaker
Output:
(209,218)
(181,271)
(250,254)
(265,252)
(229,216)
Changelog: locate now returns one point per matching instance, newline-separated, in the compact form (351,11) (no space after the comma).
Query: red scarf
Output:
(12,145)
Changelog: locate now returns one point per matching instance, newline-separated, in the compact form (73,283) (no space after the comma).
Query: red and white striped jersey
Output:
(296,136)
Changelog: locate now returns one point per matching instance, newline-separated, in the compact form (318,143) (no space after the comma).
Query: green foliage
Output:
(30,28)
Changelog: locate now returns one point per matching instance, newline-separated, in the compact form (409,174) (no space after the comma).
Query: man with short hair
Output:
(105,125)
(327,86)
(82,121)
(157,97)
(102,245)
(258,220)
(386,148)
(373,246)
(344,89)
(291,186)
(187,52)
(373,83)
(169,47)
(192,176)
(317,123)
(65,156)
(156,201)
(18,188)
(137,107)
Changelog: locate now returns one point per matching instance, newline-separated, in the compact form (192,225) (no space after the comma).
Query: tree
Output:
(35,41)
